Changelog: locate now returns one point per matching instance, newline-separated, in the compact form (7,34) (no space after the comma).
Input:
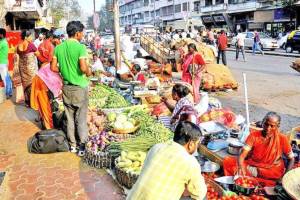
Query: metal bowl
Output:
(210,167)
(226,182)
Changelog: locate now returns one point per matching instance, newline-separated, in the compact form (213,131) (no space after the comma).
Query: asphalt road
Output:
(272,86)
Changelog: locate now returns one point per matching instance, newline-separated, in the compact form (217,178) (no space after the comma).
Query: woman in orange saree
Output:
(192,68)
(262,155)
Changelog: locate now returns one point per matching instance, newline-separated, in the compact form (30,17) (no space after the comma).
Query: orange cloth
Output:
(39,100)
(265,154)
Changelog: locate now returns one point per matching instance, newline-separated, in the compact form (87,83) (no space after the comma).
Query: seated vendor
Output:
(124,73)
(184,108)
(97,65)
(170,171)
(262,155)
(110,68)
(138,74)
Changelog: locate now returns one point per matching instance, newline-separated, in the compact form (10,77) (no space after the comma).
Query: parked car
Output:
(293,42)
(282,41)
(107,40)
(266,41)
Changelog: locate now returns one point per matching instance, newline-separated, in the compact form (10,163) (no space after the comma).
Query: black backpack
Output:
(48,141)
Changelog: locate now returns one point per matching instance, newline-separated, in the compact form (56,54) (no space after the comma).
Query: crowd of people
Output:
(48,68)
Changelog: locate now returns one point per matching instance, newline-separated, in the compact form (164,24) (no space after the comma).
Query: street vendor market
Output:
(156,128)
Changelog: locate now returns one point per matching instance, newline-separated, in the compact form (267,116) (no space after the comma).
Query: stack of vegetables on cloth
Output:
(262,155)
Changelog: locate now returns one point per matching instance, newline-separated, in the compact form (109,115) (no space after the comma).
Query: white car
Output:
(266,41)
(282,41)
(107,40)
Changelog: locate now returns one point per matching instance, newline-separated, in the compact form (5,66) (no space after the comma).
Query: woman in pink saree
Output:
(193,66)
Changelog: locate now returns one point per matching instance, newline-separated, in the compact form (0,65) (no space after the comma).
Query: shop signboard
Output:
(207,19)
(219,18)
(280,14)
(22,6)
(13,39)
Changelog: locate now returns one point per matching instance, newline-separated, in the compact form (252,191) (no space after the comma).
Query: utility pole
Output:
(117,34)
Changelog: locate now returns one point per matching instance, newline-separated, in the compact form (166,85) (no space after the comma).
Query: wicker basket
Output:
(215,186)
(122,137)
(125,179)
(291,183)
(98,160)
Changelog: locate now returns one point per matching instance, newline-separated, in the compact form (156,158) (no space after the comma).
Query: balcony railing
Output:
(241,6)
(213,8)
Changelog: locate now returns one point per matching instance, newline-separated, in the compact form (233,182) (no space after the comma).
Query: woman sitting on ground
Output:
(184,108)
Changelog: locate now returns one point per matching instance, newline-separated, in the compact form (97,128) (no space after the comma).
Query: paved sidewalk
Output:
(59,176)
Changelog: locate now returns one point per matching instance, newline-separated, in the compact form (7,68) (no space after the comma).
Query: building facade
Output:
(262,15)
(24,14)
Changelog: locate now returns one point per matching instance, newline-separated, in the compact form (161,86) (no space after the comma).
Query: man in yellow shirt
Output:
(170,169)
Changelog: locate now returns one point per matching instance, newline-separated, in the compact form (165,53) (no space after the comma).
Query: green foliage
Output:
(59,10)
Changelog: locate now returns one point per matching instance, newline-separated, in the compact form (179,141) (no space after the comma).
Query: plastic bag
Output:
(202,106)
(224,116)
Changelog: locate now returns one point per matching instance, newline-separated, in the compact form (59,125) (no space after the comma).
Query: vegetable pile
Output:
(211,193)
(246,182)
(131,162)
(103,96)
(96,121)
(121,121)
(98,143)
(150,133)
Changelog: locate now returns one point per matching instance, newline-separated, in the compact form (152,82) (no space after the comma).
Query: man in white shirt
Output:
(240,45)
(97,66)
(39,40)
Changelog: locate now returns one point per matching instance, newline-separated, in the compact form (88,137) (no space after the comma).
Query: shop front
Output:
(216,21)
(23,15)
(281,23)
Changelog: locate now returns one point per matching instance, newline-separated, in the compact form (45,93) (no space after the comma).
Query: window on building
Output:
(164,11)
(157,12)
(146,2)
(197,6)
(178,8)
(152,14)
(208,2)
(147,14)
(184,7)
(219,2)
(170,10)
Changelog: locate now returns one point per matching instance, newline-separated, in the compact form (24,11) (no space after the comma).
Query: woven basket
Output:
(125,179)
(98,160)
(215,186)
(291,183)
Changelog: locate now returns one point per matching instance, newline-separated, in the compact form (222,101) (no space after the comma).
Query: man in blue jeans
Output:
(256,44)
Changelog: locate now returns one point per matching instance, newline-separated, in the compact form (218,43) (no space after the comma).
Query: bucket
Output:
(2,94)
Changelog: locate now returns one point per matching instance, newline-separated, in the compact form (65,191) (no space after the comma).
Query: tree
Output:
(59,10)
(106,20)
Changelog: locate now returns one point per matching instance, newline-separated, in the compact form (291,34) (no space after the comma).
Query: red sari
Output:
(265,154)
(194,78)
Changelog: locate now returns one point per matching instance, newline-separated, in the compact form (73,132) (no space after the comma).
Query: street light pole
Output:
(117,34)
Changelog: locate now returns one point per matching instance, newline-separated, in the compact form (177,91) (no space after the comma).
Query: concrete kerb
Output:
(272,53)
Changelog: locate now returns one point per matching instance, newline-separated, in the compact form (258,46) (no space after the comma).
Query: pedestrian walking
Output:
(240,45)
(256,44)
(3,57)
(222,46)
(71,56)
(211,37)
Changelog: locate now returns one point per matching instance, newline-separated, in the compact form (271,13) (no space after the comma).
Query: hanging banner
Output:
(96,21)
(13,38)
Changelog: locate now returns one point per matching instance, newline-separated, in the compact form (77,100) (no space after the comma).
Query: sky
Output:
(87,5)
